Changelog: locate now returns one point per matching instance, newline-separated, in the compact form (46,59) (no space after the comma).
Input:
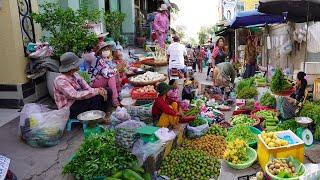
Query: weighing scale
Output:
(303,132)
(90,121)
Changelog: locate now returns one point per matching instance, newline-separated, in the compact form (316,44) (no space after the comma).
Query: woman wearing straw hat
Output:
(73,92)
(103,74)
(161,25)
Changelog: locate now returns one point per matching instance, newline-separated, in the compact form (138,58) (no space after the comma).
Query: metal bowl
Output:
(303,120)
(93,115)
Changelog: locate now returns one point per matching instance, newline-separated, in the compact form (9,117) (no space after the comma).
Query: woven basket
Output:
(148,82)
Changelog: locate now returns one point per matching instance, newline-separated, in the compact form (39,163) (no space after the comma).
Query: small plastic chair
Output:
(71,121)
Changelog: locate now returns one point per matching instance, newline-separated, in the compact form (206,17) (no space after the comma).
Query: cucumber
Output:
(147,176)
(131,175)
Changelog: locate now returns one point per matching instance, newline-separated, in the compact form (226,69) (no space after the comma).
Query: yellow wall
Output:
(12,60)
(249,4)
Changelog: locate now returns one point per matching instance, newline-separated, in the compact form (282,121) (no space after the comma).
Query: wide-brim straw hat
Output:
(69,61)
(163,7)
(105,44)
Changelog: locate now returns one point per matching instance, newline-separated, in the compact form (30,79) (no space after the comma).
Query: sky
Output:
(196,13)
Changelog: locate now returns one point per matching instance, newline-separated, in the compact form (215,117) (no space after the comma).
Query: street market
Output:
(236,106)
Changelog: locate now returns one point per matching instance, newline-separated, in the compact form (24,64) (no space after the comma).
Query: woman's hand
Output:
(103,93)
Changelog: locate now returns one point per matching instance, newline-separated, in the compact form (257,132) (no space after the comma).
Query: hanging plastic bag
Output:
(143,150)
(42,127)
(126,133)
(194,132)
(165,135)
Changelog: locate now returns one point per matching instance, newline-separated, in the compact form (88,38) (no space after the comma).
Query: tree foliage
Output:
(113,21)
(66,27)
(206,32)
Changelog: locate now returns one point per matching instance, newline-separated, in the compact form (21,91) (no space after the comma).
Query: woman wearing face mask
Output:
(102,71)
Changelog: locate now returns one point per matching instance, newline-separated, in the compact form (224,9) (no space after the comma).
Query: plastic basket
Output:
(265,153)
(252,144)
(272,177)
(135,95)
(252,156)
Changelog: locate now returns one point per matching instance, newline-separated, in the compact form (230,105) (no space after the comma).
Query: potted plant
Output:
(67,31)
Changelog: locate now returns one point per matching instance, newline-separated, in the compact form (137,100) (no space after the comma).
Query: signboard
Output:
(4,165)
(229,9)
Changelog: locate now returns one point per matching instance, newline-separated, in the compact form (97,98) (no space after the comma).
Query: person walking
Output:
(209,62)
(191,57)
(218,53)
(200,55)
(177,54)
(161,25)
(250,57)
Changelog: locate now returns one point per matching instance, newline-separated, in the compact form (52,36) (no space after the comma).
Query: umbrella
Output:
(295,10)
(254,18)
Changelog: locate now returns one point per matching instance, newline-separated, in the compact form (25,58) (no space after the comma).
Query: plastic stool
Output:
(71,121)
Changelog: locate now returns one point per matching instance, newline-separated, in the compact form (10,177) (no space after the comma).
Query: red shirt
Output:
(161,106)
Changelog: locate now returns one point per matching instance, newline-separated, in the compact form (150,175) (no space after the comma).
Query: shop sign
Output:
(229,9)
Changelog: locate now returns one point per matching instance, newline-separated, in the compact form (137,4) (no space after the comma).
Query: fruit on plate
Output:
(271,139)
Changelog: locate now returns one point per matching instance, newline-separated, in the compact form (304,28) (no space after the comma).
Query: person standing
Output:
(218,53)
(250,57)
(161,25)
(191,57)
(200,55)
(209,62)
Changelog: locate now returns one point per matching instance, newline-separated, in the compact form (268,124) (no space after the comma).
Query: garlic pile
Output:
(148,76)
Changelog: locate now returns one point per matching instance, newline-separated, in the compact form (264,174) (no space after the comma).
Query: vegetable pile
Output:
(224,124)
(268,100)
(242,119)
(148,77)
(217,131)
(244,83)
(272,140)
(288,124)
(247,93)
(241,132)
(285,168)
(249,105)
(236,152)
(134,172)
(98,155)
(198,122)
(270,119)
(210,144)
(311,110)
(189,164)
(279,83)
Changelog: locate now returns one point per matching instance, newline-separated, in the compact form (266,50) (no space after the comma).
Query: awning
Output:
(294,10)
(223,32)
(254,18)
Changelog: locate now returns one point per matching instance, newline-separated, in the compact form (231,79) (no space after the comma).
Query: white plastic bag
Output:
(122,114)
(143,150)
(194,132)
(164,134)
(42,127)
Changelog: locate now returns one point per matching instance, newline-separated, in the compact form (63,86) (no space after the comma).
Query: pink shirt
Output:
(68,89)
(161,22)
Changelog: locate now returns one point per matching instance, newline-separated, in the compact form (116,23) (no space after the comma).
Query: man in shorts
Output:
(177,54)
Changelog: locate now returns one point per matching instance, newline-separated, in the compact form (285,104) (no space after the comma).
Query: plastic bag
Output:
(42,127)
(126,91)
(143,150)
(194,132)
(164,134)
(142,112)
(122,114)
(126,133)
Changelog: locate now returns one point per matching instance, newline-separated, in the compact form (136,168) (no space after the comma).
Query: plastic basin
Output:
(272,177)
(254,130)
(252,156)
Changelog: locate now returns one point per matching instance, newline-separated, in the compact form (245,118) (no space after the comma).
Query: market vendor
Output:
(73,92)
(162,112)
(289,106)
(102,70)
(224,75)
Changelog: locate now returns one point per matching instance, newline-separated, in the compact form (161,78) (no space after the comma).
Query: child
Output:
(173,94)
(187,90)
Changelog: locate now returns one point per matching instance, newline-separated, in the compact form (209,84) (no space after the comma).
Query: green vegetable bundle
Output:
(98,155)
(288,124)
(85,76)
(279,82)
(247,93)
(268,100)
(245,83)
(241,132)
(198,122)
(242,119)
(270,119)
(189,164)
(311,110)
(218,131)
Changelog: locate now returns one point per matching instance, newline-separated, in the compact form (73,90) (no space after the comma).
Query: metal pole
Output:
(267,34)
(306,53)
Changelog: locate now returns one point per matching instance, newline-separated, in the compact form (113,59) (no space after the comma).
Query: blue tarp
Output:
(254,18)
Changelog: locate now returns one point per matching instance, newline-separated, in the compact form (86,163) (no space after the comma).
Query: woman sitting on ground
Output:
(289,106)
(73,92)
(162,112)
